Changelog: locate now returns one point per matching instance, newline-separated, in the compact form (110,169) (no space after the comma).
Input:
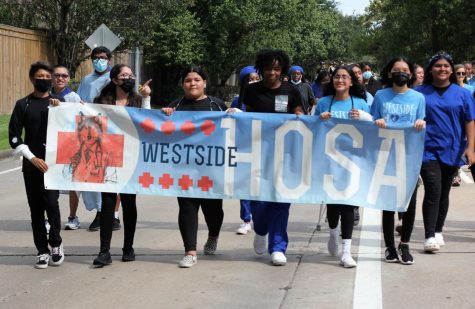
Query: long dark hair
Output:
(428,79)
(386,81)
(242,90)
(107,95)
(356,90)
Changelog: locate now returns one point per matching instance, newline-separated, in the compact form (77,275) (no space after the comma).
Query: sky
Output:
(348,7)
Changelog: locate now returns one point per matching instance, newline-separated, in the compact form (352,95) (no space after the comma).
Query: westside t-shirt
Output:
(340,109)
(284,99)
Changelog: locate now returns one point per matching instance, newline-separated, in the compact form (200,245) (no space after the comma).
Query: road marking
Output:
(465,178)
(368,289)
(10,170)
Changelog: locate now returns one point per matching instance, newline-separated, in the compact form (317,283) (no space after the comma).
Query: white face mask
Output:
(253,81)
(294,82)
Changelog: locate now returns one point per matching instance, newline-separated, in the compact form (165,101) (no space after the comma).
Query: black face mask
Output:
(400,78)
(42,85)
(128,84)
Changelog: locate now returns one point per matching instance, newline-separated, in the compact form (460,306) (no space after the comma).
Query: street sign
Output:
(103,36)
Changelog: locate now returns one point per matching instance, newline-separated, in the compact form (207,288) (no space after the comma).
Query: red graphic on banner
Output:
(205,183)
(168,127)
(188,127)
(166,181)
(185,182)
(90,150)
(148,125)
(208,127)
(146,180)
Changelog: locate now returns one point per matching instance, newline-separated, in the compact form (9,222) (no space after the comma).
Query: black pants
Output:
(334,211)
(129,218)
(40,201)
(188,218)
(407,222)
(437,179)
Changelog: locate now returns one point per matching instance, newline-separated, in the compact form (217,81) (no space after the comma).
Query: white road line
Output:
(10,170)
(465,178)
(368,290)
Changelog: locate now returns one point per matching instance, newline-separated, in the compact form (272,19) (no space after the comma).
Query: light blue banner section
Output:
(270,157)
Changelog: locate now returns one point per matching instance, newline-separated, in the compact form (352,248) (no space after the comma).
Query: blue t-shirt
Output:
(234,103)
(446,115)
(398,109)
(340,109)
(91,86)
(369,99)
(469,88)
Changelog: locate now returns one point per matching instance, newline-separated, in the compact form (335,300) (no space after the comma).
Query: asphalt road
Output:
(235,277)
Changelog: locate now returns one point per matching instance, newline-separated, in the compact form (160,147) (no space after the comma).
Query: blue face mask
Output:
(367,74)
(100,65)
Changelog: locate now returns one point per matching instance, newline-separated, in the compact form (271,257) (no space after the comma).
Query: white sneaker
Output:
(57,256)
(260,244)
(278,258)
(332,245)
(244,228)
(188,261)
(431,245)
(439,238)
(347,261)
(43,261)
(73,223)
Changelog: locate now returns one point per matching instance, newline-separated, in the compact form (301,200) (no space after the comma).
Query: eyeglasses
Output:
(126,76)
(343,77)
(57,75)
(460,73)
(100,57)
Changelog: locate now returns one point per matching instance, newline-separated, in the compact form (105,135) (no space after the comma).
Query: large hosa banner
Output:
(256,156)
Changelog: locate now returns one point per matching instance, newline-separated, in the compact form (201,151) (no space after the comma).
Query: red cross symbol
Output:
(187,127)
(185,182)
(208,127)
(146,180)
(90,149)
(168,127)
(148,125)
(205,183)
(166,181)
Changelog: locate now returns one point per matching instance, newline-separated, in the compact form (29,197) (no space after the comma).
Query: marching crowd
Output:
(438,99)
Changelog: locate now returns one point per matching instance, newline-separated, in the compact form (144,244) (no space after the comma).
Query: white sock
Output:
(116,214)
(346,247)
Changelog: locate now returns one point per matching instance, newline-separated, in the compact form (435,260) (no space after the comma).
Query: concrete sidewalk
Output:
(235,277)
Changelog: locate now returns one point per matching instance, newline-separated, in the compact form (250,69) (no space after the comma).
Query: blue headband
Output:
(441,55)
(246,71)
(295,68)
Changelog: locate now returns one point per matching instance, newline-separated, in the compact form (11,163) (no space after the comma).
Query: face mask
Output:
(367,74)
(100,65)
(127,84)
(296,82)
(400,78)
(42,85)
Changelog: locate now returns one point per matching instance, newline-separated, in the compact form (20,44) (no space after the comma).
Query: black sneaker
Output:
(356,216)
(57,256)
(406,257)
(116,225)
(43,261)
(102,259)
(128,255)
(391,255)
(96,223)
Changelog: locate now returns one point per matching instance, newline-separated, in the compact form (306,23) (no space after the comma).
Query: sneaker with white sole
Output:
(188,261)
(278,258)
(57,256)
(439,238)
(260,244)
(210,246)
(347,261)
(390,255)
(244,228)
(431,245)
(406,256)
(43,261)
(73,223)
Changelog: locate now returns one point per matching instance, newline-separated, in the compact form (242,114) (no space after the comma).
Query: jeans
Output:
(437,179)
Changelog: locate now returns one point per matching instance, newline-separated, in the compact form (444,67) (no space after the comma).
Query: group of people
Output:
(407,96)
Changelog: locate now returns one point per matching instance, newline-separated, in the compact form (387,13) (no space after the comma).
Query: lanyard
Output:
(333,99)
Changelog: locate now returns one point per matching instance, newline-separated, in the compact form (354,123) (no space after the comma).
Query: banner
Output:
(256,156)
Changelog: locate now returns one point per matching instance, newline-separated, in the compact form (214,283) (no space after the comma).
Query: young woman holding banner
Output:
(345,98)
(449,140)
(399,106)
(194,82)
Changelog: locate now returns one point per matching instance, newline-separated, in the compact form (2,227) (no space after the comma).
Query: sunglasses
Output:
(61,75)
(460,73)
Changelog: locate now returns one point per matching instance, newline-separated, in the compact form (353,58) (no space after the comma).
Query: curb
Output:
(6,153)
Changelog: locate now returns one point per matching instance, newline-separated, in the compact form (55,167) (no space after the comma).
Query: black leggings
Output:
(41,200)
(129,217)
(334,211)
(437,179)
(407,222)
(188,218)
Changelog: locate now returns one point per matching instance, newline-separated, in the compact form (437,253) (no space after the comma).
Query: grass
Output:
(4,119)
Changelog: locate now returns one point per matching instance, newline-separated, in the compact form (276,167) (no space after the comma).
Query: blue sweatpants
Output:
(245,210)
(271,218)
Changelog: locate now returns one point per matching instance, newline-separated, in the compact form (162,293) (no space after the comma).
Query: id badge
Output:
(281,102)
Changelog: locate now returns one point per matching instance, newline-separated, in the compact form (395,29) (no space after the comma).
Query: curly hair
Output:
(267,57)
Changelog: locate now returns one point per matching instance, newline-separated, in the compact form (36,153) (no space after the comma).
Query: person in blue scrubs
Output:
(345,98)
(449,141)
(398,106)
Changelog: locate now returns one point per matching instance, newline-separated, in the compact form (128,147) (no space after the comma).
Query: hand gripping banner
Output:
(256,156)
